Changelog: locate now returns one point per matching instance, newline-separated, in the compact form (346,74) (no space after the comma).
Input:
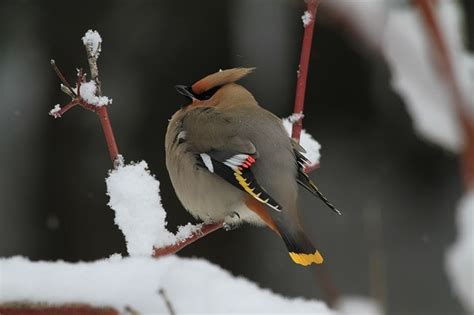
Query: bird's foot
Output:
(232,222)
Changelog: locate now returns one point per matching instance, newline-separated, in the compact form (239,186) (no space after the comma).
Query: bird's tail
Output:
(300,248)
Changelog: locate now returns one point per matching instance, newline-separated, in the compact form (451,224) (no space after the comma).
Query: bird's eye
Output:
(208,94)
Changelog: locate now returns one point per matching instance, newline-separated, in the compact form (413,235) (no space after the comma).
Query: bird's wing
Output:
(303,179)
(236,169)
(222,151)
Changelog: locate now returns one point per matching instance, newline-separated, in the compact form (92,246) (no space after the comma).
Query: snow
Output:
(358,305)
(460,256)
(185,232)
(295,117)
(93,42)
(311,146)
(191,285)
(54,112)
(306,18)
(415,77)
(88,93)
(135,197)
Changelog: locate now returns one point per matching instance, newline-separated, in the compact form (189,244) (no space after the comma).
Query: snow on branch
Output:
(135,197)
(88,94)
(191,286)
(307,141)
(93,43)
(309,19)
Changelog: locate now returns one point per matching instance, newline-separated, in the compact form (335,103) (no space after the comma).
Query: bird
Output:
(231,160)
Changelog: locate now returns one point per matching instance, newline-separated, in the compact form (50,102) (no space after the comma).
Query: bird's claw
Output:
(232,222)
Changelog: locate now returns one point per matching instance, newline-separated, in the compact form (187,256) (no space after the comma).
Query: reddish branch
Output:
(109,135)
(206,229)
(36,309)
(101,111)
(312,6)
(446,68)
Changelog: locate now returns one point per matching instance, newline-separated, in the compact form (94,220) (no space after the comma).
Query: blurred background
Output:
(398,192)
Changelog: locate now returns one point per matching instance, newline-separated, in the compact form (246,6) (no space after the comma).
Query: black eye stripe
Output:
(208,94)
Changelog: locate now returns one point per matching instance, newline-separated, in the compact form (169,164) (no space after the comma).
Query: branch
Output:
(93,101)
(309,19)
(446,69)
(40,309)
(205,230)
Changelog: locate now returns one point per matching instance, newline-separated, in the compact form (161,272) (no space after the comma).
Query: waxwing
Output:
(231,160)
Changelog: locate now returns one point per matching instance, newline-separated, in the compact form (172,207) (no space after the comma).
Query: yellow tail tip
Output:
(307,259)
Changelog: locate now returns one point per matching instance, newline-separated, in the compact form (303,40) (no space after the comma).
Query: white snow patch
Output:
(311,146)
(415,77)
(358,305)
(186,231)
(54,112)
(306,18)
(460,256)
(135,198)
(191,285)
(89,94)
(93,42)
(295,117)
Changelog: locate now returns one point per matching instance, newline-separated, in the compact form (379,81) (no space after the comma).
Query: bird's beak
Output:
(186,91)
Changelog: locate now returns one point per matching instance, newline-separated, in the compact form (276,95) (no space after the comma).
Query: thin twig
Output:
(102,111)
(324,278)
(205,230)
(62,78)
(92,59)
(167,301)
(109,135)
(312,6)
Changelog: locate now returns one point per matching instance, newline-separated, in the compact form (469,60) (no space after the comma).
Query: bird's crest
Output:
(220,78)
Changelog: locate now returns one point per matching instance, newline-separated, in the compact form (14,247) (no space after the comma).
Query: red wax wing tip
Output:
(251,159)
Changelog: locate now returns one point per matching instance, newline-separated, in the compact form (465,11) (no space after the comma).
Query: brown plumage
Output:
(229,159)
